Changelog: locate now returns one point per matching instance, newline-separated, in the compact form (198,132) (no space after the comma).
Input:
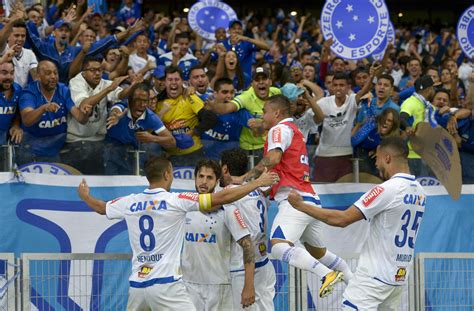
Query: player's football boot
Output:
(329,280)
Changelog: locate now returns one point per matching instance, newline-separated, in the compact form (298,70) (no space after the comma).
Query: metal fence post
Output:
(355,169)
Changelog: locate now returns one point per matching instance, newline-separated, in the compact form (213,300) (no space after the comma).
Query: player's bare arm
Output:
(84,193)
(271,159)
(248,292)
(212,201)
(331,217)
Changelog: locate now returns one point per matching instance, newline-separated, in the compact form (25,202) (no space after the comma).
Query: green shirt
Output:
(415,109)
(250,101)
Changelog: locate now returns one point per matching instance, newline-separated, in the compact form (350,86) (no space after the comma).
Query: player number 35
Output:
(401,239)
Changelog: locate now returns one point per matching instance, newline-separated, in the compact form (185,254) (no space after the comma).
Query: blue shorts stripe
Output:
(350,304)
(165,280)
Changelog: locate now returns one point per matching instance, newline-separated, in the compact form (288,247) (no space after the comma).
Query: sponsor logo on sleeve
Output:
(189,196)
(276,135)
(239,219)
(372,195)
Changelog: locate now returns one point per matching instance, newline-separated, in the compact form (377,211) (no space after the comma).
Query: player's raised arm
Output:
(84,193)
(334,218)
(212,201)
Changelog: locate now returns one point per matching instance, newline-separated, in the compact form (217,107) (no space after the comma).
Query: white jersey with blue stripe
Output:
(207,245)
(253,208)
(395,210)
(155,221)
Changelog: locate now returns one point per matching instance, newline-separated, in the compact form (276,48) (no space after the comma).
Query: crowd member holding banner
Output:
(285,153)
(207,243)
(395,211)
(156,232)
(253,208)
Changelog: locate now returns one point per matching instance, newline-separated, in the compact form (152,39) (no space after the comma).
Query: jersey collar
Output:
(404,176)
(286,120)
(153,191)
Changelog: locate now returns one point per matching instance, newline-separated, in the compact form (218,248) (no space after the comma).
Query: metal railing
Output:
(8,277)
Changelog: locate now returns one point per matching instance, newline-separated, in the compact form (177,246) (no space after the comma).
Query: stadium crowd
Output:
(88,89)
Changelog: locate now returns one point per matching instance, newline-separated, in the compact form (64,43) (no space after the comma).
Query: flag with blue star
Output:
(357,27)
(389,38)
(465,32)
(206,16)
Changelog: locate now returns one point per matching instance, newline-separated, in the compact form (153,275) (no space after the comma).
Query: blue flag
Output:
(206,16)
(465,32)
(390,37)
(357,27)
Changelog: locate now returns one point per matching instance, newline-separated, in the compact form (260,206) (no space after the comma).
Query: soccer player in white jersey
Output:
(207,248)
(395,209)
(155,220)
(285,153)
(253,208)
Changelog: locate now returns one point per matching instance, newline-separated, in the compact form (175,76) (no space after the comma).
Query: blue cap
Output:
(235,21)
(159,72)
(296,65)
(291,91)
(61,23)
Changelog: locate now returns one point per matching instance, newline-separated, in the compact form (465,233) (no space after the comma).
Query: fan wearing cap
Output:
(253,100)
(158,80)
(415,109)
(242,45)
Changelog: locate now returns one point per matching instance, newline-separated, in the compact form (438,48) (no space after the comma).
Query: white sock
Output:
(332,261)
(299,258)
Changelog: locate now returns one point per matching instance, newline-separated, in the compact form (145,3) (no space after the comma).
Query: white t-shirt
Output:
(394,210)
(137,63)
(23,64)
(155,220)
(253,208)
(95,128)
(207,242)
(306,123)
(337,125)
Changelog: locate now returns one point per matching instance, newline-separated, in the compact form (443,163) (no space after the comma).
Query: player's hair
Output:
(236,161)
(182,35)
(281,103)
(388,77)
(19,24)
(220,82)
(209,163)
(173,69)
(155,168)
(90,59)
(397,146)
(143,86)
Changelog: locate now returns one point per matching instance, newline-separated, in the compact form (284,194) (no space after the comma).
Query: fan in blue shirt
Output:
(44,107)
(226,134)
(9,96)
(133,126)
(179,55)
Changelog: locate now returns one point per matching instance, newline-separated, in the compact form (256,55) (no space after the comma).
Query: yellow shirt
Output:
(416,110)
(181,118)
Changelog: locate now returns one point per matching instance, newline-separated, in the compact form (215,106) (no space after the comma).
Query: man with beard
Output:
(44,107)
(9,118)
(416,109)
(83,141)
(394,209)
(253,100)
(129,128)
(226,133)
(200,82)
(207,243)
(185,118)
(13,36)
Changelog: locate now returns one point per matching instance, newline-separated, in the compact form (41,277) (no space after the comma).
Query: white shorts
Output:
(264,282)
(210,296)
(169,296)
(366,293)
(292,225)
